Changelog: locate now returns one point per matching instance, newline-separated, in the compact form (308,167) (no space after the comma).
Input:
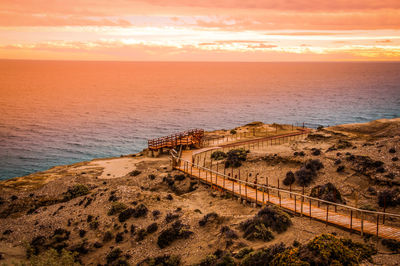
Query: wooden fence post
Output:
(255,183)
(351,221)
(327,211)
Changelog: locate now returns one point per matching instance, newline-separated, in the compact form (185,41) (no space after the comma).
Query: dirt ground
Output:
(135,179)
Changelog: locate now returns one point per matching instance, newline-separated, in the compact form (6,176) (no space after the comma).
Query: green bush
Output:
(270,217)
(263,256)
(235,158)
(326,249)
(233,132)
(218,155)
(327,192)
(243,252)
(53,258)
(165,260)
(289,179)
(135,173)
(212,216)
(75,191)
(116,207)
(113,255)
(169,235)
(391,244)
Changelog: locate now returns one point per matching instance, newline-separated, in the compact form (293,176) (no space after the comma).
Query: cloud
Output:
(384,41)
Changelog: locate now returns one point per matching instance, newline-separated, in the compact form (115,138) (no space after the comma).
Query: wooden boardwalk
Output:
(366,222)
(187,138)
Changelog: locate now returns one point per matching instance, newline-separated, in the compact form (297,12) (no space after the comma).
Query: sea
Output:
(62,112)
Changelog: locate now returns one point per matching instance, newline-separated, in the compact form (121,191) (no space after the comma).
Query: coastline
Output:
(35,205)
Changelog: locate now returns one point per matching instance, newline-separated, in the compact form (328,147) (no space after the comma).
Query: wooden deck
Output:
(187,138)
(340,215)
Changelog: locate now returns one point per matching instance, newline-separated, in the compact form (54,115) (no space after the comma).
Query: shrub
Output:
(395,159)
(314,165)
(235,158)
(340,168)
(392,150)
(338,161)
(327,192)
(263,256)
(82,233)
(107,236)
(141,234)
(243,252)
(170,217)
(210,259)
(54,258)
(156,213)
(325,249)
(94,224)
(152,228)
(391,244)
(389,196)
(135,173)
(218,155)
(315,151)
(212,216)
(179,177)
(233,132)
(306,174)
(126,214)
(152,176)
(176,231)
(119,237)
(75,191)
(289,179)
(228,232)
(140,211)
(113,255)
(165,260)
(116,207)
(268,217)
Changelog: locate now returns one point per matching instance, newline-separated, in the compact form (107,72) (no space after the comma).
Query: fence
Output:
(375,223)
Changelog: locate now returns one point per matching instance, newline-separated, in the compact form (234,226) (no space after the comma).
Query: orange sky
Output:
(201,30)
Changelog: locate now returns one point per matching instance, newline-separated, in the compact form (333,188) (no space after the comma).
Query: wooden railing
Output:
(355,219)
(181,138)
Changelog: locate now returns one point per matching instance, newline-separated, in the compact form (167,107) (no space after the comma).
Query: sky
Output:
(201,30)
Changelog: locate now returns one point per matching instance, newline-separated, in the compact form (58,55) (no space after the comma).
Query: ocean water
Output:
(54,113)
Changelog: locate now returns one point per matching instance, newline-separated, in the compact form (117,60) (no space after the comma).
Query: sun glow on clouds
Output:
(179,30)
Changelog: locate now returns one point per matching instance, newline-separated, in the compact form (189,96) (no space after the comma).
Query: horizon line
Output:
(177,61)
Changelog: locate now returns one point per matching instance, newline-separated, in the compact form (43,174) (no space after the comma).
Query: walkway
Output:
(369,222)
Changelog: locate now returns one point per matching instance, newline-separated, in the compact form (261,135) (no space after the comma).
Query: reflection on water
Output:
(62,112)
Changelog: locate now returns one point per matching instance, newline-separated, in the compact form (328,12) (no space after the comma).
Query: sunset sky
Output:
(207,30)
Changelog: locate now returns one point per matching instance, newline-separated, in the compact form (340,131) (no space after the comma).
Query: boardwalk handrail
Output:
(174,138)
(284,190)
(265,188)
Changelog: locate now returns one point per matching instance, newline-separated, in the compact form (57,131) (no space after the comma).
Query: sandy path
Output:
(117,167)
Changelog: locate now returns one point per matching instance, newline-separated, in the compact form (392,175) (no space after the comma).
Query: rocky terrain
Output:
(138,210)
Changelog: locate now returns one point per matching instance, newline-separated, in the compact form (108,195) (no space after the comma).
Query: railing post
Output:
(327,211)
(377,226)
(245,188)
(211,181)
(266,180)
(223,184)
(240,188)
(351,221)
(310,208)
(295,204)
(255,183)
(362,224)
